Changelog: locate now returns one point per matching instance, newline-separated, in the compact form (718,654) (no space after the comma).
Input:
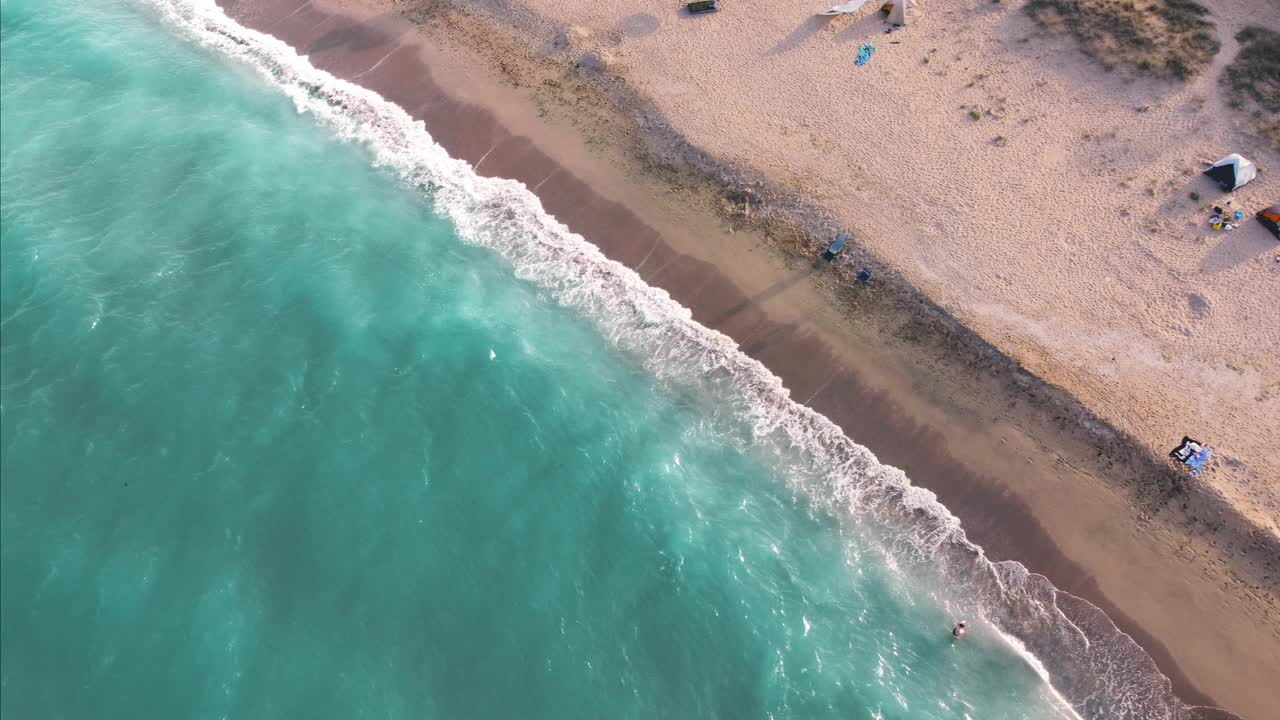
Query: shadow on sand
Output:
(359,36)
(843,31)
(777,288)
(1241,245)
(812,25)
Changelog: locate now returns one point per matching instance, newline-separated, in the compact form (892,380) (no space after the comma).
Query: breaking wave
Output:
(1100,672)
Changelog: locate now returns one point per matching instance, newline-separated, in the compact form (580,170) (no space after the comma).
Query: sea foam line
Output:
(1100,671)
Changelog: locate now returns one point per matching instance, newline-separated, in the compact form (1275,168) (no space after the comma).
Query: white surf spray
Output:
(1100,671)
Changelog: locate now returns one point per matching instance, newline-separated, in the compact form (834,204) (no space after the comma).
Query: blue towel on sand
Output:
(864,54)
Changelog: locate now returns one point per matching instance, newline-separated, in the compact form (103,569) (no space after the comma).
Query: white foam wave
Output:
(1021,650)
(506,217)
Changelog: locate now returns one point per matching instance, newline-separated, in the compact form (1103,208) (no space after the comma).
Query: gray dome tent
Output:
(1232,171)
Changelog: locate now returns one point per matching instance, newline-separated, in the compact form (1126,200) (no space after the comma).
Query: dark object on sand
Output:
(1191,453)
(1185,449)
(835,247)
(1270,219)
(864,276)
(703,6)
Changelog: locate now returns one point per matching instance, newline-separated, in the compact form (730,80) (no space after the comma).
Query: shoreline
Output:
(873,405)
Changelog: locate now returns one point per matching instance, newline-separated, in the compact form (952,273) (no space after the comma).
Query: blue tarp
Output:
(864,54)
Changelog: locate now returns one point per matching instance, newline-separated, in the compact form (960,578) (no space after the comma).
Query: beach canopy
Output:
(845,9)
(898,11)
(1232,171)
(1270,219)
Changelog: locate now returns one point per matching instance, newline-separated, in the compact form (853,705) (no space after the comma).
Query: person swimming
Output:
(958,630)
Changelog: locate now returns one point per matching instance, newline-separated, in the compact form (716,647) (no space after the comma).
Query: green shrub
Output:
(1253,79)
(1170,38)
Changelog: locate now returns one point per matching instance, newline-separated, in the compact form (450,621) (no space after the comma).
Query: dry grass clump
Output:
(1253,78)
(1166,38)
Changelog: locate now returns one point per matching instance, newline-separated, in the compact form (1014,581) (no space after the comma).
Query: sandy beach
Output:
(1058,225)
(1049,315)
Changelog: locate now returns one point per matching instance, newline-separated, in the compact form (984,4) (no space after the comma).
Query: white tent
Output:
(900,10)
(845,9)
(1232,171)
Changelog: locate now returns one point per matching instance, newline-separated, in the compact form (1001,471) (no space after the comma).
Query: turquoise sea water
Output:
(288,434)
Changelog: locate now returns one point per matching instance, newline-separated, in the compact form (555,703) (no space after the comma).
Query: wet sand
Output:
(778,317)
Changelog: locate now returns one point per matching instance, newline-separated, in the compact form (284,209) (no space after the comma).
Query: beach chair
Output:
(835,247)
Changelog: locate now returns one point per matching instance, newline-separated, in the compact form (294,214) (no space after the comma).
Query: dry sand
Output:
(927,191)
(1058,225)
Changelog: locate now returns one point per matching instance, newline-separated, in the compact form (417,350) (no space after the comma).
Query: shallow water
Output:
(288,432)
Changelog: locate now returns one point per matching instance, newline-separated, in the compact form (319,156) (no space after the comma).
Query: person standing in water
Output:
(959,630)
